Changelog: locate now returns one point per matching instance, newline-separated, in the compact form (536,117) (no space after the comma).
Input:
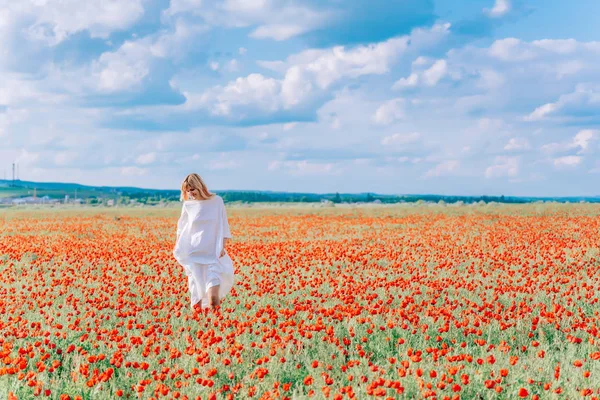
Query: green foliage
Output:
(124,195)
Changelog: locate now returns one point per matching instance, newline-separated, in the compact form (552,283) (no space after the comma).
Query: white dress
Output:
(201,229)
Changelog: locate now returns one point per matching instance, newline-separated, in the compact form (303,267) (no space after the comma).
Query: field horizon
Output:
(18,188)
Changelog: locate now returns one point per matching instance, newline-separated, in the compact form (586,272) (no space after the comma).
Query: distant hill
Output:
(126,194)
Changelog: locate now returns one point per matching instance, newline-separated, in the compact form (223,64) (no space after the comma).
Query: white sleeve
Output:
(180,223)
(226,231)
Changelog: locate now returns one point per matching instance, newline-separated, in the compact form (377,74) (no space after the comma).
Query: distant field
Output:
(403,301)
(11,192)
(56,194)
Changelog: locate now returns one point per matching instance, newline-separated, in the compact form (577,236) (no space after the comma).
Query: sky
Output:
(454,97)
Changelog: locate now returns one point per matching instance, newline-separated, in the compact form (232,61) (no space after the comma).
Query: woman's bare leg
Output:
(213,296)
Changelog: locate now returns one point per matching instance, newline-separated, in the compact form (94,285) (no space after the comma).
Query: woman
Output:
(202,237)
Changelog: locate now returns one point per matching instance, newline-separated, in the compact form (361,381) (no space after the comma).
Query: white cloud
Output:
(517,144)
(582,141)
(133,171)
(512,49)
(109,159)
(422,61)
(289,22)
(553,148)
(64,158)
(226,161)
(424,38)
(10,118)
(436,72)
(145,159)
(540,112)
(233,65)
(336,123)
(3,124)
(126,68)
(563,46)
(516,50)
(485,79)
(583,138)
(274,20)
(182,6)
(296,87)
(443,169)
(429,77)
(411,81)
(255,90)
(22,91)
(390,111)
(490,81)
(569,68)
(327,66)
(263,136)
(305,167)
(503,166)
(490,124)
(308,75)
(500,9)
(278,31)
(176,42)
(567,161)
(362,161)
(398,160)
(400,139)
(584,102)
(222,164)
(289,126)
(488,77)
(54,21)
(27,158)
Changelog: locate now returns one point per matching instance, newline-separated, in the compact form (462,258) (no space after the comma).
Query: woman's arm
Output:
(180,225)
(226,232)
(224,250)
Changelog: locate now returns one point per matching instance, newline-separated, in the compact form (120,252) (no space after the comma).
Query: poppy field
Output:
(471,302)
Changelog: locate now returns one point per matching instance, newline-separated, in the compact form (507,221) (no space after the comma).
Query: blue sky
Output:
(408,96)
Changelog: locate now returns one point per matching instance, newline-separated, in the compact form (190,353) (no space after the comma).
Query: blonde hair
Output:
(194,181)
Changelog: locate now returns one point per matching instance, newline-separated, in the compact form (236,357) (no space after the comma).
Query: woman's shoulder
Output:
(214,200)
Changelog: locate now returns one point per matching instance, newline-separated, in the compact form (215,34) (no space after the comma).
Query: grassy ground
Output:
(403,301)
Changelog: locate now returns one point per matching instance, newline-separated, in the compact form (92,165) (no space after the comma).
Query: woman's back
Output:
(200,229)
